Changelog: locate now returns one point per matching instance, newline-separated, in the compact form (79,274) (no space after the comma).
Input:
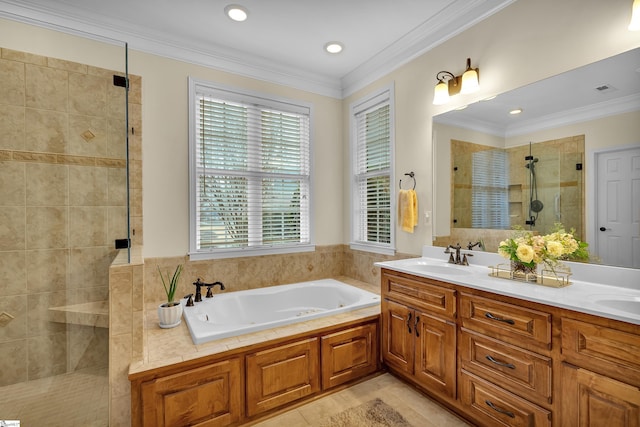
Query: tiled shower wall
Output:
(62,204)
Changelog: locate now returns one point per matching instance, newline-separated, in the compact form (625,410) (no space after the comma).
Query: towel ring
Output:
(412,175)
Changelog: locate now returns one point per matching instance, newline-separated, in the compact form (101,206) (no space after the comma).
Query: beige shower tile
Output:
(13,272)
(135,147)
(117,187)
(89,226)
(12,184)
(119,359)
(12,82)
(46,88)
(47,355)
(47,185)
(87,136)
(66,65)
(116,101)
(46,131)
(12,228)
(88,267)
(117,138)
(16,307)
(29,58)
(47,270)
(135,89)
(14,362)
(46,227)
(117,224)
(87,186)
(38,316)
(12,125)
(87,94)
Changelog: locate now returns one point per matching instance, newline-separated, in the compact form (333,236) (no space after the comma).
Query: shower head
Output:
(531,162)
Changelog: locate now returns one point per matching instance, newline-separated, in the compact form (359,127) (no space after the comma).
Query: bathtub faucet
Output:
(211,285)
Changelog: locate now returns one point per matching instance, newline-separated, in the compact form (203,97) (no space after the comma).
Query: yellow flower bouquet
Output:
(528,250)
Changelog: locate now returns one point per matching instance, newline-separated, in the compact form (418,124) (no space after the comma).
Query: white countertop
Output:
(620,285)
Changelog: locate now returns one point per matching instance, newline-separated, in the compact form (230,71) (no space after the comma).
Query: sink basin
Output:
(443,269)
(627,303)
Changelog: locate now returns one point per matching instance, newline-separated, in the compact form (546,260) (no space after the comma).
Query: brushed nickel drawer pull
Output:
(502,411)
(499,363)
(409,322)
(499,319)
(415,326)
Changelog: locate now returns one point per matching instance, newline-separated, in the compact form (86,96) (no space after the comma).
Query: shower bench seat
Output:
(94,313)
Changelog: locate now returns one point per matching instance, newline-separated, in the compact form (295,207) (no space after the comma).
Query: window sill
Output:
(383,250)
(248,252)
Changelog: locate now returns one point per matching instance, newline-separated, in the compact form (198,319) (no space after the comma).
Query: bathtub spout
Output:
(211,285)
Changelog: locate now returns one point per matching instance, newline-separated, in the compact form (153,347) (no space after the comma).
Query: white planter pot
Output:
(169,316)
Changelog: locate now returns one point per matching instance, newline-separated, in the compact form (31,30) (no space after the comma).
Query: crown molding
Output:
(450,21)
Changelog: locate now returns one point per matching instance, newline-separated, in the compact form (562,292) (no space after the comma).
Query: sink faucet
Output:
(457,259)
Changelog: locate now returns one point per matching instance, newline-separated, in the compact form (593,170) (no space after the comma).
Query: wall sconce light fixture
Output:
(634,25)
(449,84)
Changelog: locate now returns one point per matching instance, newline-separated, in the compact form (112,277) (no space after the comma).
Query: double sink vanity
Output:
(505,353)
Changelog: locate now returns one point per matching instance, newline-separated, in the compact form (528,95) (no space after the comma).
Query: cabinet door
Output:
(350,354)
(593,400)
(281,375)
(435,363)
(207,396)
(397,336)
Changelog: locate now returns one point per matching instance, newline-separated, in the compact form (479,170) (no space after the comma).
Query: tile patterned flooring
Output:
(418,410)
(77,399)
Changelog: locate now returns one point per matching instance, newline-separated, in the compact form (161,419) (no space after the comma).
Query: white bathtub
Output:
(234,313)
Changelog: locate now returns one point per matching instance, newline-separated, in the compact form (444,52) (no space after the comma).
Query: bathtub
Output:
(234,313)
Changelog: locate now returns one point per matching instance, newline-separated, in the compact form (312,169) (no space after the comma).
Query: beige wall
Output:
(528,41)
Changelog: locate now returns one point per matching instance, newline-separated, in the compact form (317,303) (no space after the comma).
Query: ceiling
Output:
(570,97)
(281,41)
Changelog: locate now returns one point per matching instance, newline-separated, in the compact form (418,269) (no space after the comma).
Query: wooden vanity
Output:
(503,361)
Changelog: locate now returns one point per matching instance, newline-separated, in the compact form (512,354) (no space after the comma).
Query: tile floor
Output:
(417,409)
(77,399)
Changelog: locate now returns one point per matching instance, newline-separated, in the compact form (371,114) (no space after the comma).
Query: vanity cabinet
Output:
(600,375)
(419,334)
(511,362)
(504,382)
(205,396)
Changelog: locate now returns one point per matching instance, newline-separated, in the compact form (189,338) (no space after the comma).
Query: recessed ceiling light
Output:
(333,47)
(515,111)
(236,12)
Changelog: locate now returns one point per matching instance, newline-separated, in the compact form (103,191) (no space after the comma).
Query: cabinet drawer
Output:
(426,296)
(492,406)
(602,349)
(350,354)
(281,375)
(521,371)
(505,321)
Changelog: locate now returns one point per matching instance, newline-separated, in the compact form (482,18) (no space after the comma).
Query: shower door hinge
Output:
(119,81)
(578,166)
(123,243)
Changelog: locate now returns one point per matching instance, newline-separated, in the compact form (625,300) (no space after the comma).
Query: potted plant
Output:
(170,312)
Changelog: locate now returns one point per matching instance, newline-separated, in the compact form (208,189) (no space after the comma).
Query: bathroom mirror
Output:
(581,104)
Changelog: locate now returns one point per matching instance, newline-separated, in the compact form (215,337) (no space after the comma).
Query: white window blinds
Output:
(490,192)
(372,167)
(251,172)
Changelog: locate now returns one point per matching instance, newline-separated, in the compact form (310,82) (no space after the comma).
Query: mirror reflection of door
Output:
(618,207)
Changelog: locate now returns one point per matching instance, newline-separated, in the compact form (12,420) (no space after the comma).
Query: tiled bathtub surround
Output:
(63,201)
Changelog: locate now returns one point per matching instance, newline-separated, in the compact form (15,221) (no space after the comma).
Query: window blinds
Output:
(372,174)
(490,192)
(252,163)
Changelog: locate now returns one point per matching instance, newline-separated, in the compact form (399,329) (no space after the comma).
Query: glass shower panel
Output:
(63,203)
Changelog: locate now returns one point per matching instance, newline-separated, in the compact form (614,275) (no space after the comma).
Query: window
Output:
(250,173)
(490,192)
(372,169)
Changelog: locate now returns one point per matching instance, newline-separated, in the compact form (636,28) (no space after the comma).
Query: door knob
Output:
(603,228)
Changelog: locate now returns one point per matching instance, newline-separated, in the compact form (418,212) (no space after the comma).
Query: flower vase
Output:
(524,272)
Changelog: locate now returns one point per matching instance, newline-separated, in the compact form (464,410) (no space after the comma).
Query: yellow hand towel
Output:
(408,210)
